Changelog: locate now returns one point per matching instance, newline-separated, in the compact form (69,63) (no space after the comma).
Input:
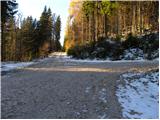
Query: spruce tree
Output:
(57,33)
(8,9)
(45,31)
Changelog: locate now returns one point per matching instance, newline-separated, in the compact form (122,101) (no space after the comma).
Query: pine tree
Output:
(8,9)
(28,40)
(10,40)
(57,33)
(45,31)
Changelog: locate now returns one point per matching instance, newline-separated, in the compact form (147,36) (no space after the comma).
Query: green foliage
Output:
(113,19)
(45,25)
(88,7)
(49,30)
(10,38)
(58,46)
(58,28)
(33,39)
(28,38)
(108,7)
(8,9)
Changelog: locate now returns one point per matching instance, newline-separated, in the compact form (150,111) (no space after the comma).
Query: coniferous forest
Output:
(28,38)
(95,29)
(79,59)
(102,29)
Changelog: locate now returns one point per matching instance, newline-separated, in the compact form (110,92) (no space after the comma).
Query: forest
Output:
(101,29)
(28,38)
(107,66)
(95,29)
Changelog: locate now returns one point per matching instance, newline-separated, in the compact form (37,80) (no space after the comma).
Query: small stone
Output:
(68,103)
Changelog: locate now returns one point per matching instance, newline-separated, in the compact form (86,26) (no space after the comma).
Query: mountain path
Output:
(59,88)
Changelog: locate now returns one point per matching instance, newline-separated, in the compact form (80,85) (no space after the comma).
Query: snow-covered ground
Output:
(7,66)
(133,54)
(11,65)
(102,95)
(138,54)
(59,55)
(138,95)
(129,55)
(99,61)
(66,58)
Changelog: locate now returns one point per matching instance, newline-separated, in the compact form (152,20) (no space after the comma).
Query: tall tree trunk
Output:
(105,26)
(124,23)
(139,17)
(2,43)
(96,24)
(133,18)
(93,27)
(101,26)
(83,34)
(90,28)
(118,22)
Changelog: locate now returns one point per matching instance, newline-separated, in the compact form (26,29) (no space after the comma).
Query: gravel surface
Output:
(54,88)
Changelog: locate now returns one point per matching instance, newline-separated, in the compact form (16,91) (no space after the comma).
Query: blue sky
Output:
(34,8)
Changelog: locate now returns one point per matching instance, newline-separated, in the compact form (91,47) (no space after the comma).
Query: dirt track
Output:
(55,88)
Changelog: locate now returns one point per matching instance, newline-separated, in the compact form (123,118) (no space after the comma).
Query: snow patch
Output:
(58,55)
(139,96)
(133,54)
(155,54)
(99,61)
(102,95)
(7,66)
(87,89)
(130,55)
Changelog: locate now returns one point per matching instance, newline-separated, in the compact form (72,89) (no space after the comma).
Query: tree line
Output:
(27,39)
(89,21)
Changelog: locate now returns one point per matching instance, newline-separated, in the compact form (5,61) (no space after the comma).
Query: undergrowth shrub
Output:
(131,42)
(114,49)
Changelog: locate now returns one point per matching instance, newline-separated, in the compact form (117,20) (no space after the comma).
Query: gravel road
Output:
(54,88)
